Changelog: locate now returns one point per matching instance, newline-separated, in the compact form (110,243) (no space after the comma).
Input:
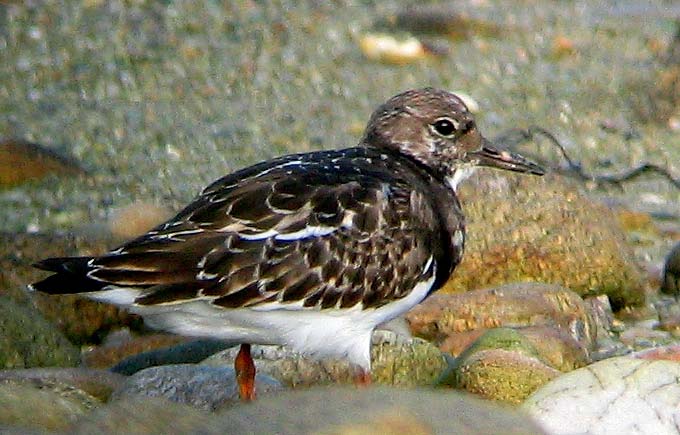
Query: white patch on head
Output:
(460,175)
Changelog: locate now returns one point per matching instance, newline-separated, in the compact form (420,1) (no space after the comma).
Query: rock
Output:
(81,320)
(136,219)
(22,161)
(450,321)
(202,387)
(643,335)
(501,365)
(614,396)
(193,351)
(670,284)
(110,354)
(441,19)
(506,376)
(384,410)
(28,340)
(145,415)
(552,345)
(607,344)
(387,49)
(98,383)
(542,229)
(556,347)
(669,314)
(395,361)
(28,407)
(669,353)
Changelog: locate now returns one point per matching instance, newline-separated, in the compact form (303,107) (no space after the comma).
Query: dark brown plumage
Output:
(670,283)
(373,228)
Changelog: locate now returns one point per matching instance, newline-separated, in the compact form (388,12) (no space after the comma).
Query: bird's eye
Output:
(444,126)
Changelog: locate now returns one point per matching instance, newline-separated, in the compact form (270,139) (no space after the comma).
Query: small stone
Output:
(563,47)
(669,314)
(668,353)
(136,219)
(22,161)
(440,19)
(387,49)
(642,336)
(203,387)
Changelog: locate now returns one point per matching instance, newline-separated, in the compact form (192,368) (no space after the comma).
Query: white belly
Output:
(336,333)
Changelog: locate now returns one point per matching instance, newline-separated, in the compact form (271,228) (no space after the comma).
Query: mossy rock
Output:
(543,229)
(28,340)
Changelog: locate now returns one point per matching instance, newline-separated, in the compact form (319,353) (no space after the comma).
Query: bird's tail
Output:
(70,276)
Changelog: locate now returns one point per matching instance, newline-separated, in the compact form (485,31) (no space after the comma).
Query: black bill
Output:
(493,157)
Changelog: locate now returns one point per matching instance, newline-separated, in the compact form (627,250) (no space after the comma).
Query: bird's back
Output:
(331,229)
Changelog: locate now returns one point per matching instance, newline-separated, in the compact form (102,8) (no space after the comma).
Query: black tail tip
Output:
(70,276)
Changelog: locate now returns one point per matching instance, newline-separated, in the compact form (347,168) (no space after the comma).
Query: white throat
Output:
(461,174)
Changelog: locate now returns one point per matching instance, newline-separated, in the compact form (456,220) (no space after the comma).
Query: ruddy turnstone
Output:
(310,251)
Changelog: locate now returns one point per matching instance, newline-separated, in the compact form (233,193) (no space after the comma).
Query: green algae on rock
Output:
(502,375)
(28,340)
(28,407)
(526,229)
(501,365)
(395,361)
(516,305)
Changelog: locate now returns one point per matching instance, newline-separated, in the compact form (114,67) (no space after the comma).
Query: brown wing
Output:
(335,230)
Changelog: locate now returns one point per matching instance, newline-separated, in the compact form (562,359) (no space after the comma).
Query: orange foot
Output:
(245,373)
(362,378)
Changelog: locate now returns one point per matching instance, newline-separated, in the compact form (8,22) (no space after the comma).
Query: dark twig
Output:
(514,137)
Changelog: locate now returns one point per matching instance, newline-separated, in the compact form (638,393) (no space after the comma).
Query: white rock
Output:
(614,396)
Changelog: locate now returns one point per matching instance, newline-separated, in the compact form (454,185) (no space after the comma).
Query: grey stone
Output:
(203,387)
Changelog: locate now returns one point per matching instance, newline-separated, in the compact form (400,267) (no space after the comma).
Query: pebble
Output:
(203,387)
(615,396)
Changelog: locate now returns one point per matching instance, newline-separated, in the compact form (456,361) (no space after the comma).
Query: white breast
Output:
(338,333)
(460,175)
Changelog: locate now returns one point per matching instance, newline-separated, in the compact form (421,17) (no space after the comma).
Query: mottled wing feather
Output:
(290,232)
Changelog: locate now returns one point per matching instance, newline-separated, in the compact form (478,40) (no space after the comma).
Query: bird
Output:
(670,284)
(312,250)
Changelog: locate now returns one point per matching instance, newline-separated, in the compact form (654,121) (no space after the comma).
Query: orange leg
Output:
(362,377)
(245,373)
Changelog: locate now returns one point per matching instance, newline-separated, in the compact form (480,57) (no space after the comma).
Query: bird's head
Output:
(436,129)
